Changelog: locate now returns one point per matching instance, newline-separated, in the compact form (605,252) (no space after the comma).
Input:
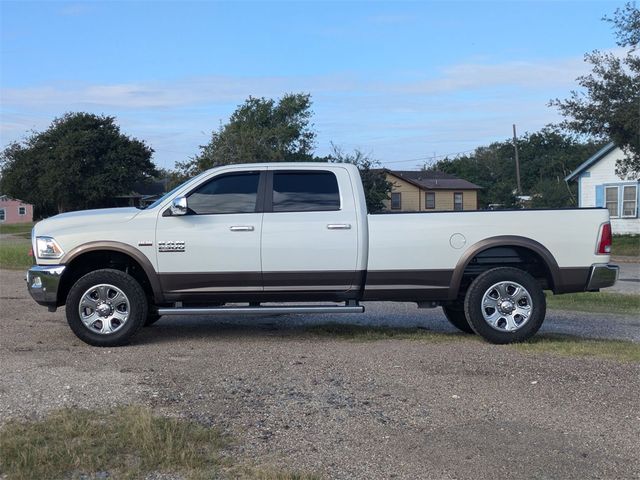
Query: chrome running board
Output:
(349,308)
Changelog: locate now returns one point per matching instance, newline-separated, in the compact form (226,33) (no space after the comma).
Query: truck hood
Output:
(85,219)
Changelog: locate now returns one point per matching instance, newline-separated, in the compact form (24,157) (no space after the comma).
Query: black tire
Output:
(132,302)
(152,317)
(518,313)
(456,316)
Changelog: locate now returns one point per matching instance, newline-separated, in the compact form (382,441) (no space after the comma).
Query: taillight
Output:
(604,244)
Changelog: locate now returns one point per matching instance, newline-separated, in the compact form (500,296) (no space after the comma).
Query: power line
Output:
(430,157)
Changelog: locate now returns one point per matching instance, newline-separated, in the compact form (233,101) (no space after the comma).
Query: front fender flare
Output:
(126,249)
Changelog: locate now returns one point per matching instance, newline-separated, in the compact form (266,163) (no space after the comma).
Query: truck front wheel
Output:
(505,305)
(106,308)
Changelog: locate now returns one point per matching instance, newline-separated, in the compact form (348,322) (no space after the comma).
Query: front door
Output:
(215,248)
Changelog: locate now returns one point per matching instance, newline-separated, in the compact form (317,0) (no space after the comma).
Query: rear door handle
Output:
(241,228)
(339,226)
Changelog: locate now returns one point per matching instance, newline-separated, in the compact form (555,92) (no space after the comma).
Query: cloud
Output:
(74,9)
(458,79)
(460,107)
(522,75)
(179,93)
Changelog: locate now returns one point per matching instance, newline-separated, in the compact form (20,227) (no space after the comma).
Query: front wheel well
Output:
(100,259)
(513,256)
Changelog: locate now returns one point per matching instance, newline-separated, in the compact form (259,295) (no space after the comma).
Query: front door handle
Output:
(241,228)
(339,226)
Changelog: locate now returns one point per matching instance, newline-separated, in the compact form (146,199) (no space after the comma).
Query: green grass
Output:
(128,442)
(571,346)
(15,255)
(19,228)
(599,302)
(626,245)
(359,333)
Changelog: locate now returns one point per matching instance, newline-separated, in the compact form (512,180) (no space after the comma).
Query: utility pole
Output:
(515,146)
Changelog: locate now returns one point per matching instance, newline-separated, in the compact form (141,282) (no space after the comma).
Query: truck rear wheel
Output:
(505,305)
(106,308)
(456,316)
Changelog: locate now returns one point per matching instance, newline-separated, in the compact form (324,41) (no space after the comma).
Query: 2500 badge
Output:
(171,246)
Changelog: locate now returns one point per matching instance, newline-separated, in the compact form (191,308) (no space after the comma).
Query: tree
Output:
(81,161)
(546,158)
(608,107)
(260,130)
(626,21)
(266,130)
(374,180)
(552,193)
(486,168)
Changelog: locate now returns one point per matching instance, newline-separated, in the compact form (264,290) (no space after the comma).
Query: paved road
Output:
(629,279)
(390,314)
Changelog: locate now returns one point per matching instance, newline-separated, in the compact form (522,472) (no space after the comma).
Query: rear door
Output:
(309,231)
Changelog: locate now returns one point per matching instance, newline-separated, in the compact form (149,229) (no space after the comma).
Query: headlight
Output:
(47,247)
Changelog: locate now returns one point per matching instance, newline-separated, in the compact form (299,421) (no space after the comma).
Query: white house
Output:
(599,186)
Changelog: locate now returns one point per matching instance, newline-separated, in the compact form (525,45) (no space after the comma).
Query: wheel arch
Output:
(520,246)
(105,254)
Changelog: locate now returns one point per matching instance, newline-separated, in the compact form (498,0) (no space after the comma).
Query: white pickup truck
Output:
(265,238)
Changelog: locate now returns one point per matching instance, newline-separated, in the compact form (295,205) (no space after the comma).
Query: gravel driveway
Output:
(375,410)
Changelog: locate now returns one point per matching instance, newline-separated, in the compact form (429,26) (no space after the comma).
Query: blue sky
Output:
(404,81)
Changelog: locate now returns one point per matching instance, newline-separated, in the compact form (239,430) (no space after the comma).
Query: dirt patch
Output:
(377,410)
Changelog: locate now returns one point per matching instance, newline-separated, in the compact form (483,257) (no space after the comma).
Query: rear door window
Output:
(305,191)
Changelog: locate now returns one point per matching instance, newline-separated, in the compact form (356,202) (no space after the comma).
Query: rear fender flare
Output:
(502,241)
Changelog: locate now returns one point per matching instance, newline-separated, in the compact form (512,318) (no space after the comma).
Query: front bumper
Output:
(43,283)
(602,276)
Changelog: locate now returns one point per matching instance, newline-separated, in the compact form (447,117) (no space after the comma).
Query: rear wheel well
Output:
(506,256)
(99,259)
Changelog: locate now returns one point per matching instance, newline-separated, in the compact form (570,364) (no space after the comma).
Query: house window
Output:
(430,200)
(396,201)
(457,201)
(2,215)
(22,211)
(611,200)
(629,200)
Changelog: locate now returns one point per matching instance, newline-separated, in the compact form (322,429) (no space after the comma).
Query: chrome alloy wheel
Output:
(507,306)
(104,309)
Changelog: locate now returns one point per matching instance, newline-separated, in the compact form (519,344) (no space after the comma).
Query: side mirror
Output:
(179,206)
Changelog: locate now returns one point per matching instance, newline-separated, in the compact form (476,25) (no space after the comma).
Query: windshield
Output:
(167,195)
